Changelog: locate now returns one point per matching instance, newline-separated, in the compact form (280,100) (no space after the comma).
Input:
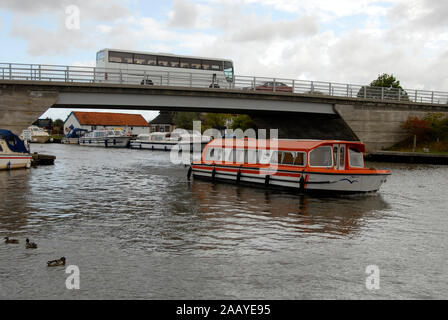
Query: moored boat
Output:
(304,165)
(73,136)
(167,141)
(37,135)
(13,153)
(105,138)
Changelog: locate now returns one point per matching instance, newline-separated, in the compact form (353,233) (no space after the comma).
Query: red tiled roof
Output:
(110,119)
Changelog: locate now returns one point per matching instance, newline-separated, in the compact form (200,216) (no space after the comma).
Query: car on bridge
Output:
(269,86)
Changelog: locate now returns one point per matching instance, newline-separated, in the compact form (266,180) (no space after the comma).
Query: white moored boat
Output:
(13,153)
(167,141)
(105,138)
(37,135)
(305,165)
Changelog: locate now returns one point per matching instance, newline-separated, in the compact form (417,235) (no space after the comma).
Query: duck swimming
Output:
(30,245)
(57,262)
(7,240)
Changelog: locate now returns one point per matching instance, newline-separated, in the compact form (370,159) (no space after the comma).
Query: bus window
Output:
(145,59)
(162,61)
(120,57)
(184,63)
(140,59)
(173,62)
(100,56)
(190,63)
(211,65)
(228,70)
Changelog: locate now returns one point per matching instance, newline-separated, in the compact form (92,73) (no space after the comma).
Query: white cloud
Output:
(341,41)
(184,14)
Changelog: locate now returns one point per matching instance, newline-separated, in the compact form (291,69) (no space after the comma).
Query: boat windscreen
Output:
(14,143)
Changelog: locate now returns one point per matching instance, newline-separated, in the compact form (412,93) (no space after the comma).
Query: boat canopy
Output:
(281,144)
(76,133)
(14,143)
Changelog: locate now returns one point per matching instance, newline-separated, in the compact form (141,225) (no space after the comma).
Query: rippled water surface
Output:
(138,230)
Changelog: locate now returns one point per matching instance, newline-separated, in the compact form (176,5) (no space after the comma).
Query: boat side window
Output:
(321,157)
(1,149)
(264,156)
(219,153)
(215,154)
(300,159)
(335,155)
(355,158)
(229,155)
(239,155)
(252,156)
(210,154)
(276,157)
(288,158)
(342,157)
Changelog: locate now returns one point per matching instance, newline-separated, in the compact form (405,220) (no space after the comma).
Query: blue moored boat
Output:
(13,153)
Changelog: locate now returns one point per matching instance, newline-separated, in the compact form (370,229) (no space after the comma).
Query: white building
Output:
(134,124)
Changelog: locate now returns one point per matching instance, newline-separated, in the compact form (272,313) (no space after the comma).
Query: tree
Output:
(438,125)
(216,120)
(385,87)
(243,122)
(58,123)
(185,120)
(417,127)
(387,81)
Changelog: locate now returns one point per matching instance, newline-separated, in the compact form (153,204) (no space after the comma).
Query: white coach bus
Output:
(124,66)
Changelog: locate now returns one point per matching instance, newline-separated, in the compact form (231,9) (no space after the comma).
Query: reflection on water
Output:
(282,214)
(138,229)
(14,210)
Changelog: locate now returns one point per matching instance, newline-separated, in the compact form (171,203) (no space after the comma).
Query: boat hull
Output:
(40,139)
(70,140)
(116,142)
(299,181)
(14,161)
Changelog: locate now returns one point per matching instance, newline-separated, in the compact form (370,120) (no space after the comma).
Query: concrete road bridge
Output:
(307,109)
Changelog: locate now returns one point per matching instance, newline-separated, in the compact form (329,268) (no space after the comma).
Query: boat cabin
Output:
(104,133)
(300,154)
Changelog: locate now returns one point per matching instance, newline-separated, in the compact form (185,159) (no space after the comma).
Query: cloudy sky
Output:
(347,41)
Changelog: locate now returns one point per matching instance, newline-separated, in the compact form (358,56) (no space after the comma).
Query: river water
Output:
(137,229)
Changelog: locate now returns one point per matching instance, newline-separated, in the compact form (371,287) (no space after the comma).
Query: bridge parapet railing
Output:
(83,74)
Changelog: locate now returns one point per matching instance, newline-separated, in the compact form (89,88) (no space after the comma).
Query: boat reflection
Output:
(301,214)
(13,209)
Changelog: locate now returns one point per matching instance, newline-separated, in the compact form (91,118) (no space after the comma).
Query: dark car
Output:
(269,86)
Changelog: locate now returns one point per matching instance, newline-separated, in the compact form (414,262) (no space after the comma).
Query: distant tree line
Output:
(53,126)
(219,121)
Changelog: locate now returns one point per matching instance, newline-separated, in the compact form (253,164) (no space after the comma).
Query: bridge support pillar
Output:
(20,107)
(379,125)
